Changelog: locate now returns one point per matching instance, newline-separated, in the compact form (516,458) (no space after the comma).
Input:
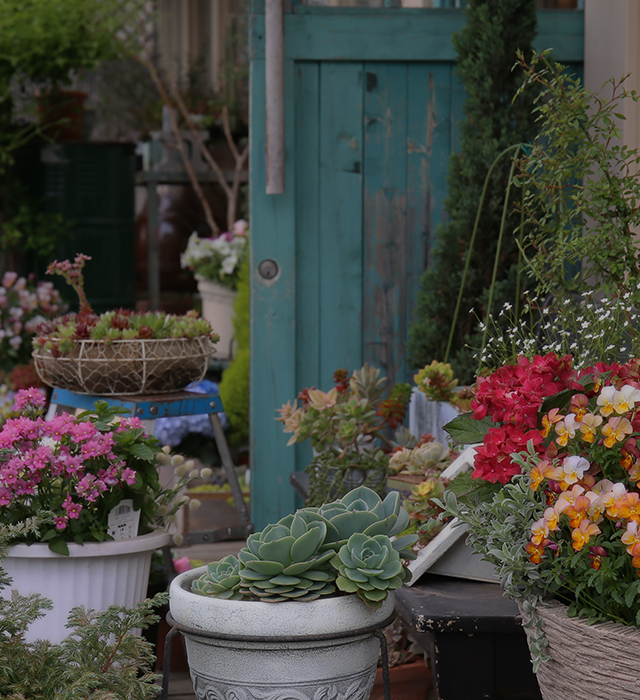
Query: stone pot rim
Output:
(326,615)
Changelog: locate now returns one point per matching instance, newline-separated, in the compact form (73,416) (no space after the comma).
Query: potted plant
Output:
(47,43)
(103,654)
(120,352)
(554,506)
(216,263)
(95,477)
(294,614)
(435,400)
(345,426)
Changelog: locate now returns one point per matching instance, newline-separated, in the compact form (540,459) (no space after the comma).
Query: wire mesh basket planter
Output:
(149,366)
(588,662)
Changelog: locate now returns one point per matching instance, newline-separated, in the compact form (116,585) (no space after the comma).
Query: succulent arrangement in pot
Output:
(295,612)
(95,479)
(346,428)
(216,263)
(120,352)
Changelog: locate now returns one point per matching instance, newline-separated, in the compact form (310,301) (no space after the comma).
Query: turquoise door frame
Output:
(365,171)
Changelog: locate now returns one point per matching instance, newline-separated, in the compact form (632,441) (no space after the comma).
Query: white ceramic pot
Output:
(217,308)
(262,650)
(96,575)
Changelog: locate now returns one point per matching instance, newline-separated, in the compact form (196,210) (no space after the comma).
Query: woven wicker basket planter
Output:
(127,366)
(588,662)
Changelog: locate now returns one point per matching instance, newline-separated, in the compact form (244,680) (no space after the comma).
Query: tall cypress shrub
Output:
(486,48)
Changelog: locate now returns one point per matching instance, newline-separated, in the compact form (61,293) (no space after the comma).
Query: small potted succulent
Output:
(436,399)
(346,427)
(120,352)
(216,263)
(299,605)
(93,480)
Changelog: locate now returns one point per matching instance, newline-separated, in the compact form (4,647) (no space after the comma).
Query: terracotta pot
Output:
(407,682)
(61,114)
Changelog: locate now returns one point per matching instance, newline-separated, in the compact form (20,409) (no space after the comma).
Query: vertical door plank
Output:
(385,199)
(307,155)
(273,333)
(340,210)
(429,141)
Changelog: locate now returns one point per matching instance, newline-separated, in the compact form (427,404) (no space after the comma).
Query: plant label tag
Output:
(123,521)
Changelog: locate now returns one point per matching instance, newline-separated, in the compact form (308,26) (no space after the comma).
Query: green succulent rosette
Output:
(370,567)
(363,511)
(285,562)
(221,580)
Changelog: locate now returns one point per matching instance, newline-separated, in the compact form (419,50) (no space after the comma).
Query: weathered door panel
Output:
(372,113)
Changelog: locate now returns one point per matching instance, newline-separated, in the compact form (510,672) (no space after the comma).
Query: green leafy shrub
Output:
(101,659)
(486,48)
(234,387)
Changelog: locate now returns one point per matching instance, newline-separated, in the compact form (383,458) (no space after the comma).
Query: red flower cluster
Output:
(513,396)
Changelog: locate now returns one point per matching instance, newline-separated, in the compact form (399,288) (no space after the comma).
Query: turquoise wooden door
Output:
(372,106)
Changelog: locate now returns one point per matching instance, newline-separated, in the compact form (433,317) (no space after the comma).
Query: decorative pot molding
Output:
(250,650)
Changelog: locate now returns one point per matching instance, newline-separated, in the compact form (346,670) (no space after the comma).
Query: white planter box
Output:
(96,575)
(447,554)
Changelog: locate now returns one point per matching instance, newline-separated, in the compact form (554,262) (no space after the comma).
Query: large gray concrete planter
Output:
(325,649)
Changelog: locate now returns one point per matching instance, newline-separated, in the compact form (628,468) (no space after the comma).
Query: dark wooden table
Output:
(472,633)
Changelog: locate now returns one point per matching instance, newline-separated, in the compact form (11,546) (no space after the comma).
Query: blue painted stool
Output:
(180,403)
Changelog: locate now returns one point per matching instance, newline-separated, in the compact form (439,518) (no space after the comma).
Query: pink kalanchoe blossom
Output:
(29,397)
(60,521)
(83,430)
(128,476)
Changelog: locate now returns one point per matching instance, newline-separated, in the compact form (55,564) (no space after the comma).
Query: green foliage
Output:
(580,190)
(46,41)
(332,475)
(486,47)
(370,567)
(285,562)
(297,558)
(221,580)
(234,387)
(103,658)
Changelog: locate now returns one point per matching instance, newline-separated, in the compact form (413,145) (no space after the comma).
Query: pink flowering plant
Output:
(77,469)
(23,307)
(554,500)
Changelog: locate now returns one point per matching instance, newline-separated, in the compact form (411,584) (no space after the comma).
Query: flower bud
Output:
(206,473)
(163,458)
(194,504)
(167,449)
(194,473)
(178,539)
(180,471)
(177,460)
